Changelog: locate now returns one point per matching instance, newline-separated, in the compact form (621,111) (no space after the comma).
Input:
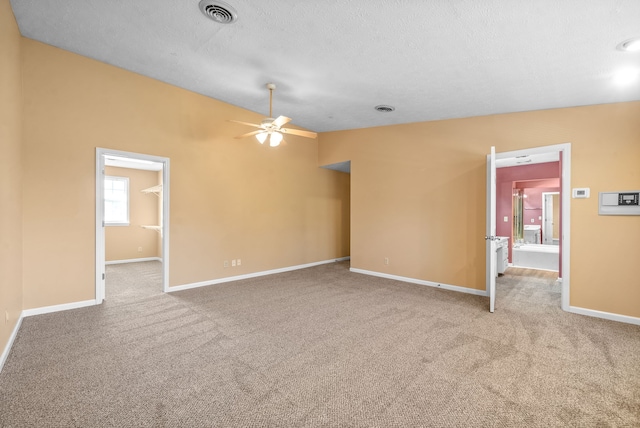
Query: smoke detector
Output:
(218,11)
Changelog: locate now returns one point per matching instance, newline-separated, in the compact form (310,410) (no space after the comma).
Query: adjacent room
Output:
(133,216)
(230,213)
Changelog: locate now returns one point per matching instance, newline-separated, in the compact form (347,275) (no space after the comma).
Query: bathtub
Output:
(536,256)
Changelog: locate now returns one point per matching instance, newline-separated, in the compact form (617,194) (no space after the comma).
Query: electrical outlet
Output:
(139,249)
(533,220)
(239,262)
(233,263)
(506,219)
(226,263)
(386,260)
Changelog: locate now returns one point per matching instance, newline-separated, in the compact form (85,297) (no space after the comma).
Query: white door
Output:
(490,237)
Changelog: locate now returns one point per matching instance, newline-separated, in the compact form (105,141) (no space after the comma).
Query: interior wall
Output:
(132,241)
(10,174)
(419,196)
(230,198)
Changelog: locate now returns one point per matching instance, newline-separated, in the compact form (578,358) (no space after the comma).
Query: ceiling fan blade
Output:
(249,134)
(307,134)
(281,120)
(245,123)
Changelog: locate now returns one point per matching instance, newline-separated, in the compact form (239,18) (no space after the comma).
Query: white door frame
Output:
(565,238)
(99,224)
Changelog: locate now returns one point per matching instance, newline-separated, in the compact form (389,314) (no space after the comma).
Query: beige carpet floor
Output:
(321,347)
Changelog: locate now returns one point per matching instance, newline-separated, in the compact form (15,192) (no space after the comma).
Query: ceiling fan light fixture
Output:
(272,128)
(276,139)
(262,137)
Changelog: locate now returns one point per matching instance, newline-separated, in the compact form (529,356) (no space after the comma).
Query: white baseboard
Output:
(604,315)
(422,282)
(57,308)
(143,259)
(7,348)
(252,275)
(39,311)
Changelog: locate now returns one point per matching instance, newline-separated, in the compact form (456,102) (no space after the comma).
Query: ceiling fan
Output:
(272,128)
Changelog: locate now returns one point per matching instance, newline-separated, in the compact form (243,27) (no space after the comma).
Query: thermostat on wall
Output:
(581,192)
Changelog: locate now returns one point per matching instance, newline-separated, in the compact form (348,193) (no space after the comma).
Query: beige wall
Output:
(10,176)
(123,242)
(418,196)
(229,198)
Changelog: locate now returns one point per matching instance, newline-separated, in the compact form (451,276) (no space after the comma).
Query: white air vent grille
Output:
(384,109)
(218,11)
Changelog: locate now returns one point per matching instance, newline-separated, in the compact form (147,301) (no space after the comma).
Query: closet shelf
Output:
(156,190)
(150,227)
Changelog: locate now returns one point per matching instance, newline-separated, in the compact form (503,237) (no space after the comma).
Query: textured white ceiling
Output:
(333,61)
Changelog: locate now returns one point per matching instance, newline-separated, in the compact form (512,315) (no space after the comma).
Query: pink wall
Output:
(534,179)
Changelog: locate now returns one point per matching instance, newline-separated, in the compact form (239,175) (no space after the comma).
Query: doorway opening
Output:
(344,167)
(113,200)
(534,217)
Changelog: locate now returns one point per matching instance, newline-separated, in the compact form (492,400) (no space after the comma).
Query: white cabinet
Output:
(502,255)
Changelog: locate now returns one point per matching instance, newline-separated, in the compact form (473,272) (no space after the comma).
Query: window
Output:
(116,201)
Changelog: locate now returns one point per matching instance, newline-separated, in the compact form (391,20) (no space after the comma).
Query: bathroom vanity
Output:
(502,254)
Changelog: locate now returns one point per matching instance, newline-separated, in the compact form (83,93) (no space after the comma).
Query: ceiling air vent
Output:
(384,109)
(218,11)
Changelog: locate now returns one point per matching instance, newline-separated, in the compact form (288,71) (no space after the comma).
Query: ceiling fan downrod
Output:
(271,87)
